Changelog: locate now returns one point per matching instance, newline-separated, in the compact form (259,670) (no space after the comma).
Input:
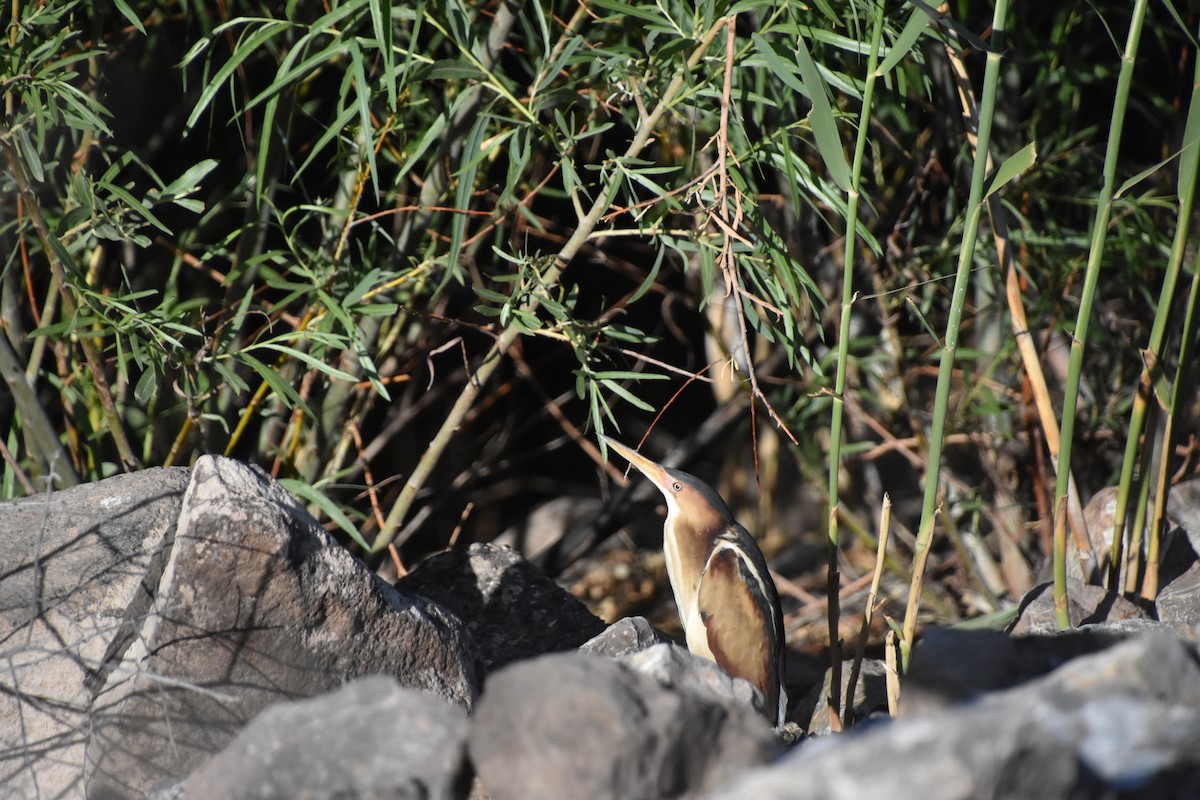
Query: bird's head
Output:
(691,503)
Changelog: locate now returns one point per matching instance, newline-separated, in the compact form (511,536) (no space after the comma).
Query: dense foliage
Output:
(412,257)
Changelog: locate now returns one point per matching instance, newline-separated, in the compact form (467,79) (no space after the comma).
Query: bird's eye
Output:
(677,486)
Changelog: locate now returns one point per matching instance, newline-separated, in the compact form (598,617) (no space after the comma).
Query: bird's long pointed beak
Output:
(655,472)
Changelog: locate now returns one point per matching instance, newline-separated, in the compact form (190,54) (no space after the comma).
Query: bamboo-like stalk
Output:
(495,355)
(998,215)
(1079,340)
(833,579)
(885,525)
(1153,362)
(937,432)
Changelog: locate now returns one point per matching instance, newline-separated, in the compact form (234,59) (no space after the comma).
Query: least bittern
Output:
(727,600)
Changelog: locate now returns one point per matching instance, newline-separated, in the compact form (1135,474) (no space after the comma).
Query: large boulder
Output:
(256,605)
(77,574)
(570,725)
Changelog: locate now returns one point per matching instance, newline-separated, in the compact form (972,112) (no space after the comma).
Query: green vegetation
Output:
(411,258)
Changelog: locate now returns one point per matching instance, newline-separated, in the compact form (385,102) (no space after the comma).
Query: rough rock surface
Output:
(570,725)
(369,739)
(1179,602)
(676,667)
(624,637)
(256,605)
(1087,604)
(147,628)
(1121,722)
(73,572)
(511,609)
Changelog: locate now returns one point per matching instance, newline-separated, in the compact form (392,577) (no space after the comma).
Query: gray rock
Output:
(870,695)
(1087,604)
(76,568)
(1121,722)
(1132,627)
(961,756)
(625,636)
(677,668)
(570,726)
(369,739)
(256,605)
(511,609)
(1183,506)
(1179,601)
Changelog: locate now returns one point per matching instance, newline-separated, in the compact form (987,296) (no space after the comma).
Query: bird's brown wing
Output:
(739,607)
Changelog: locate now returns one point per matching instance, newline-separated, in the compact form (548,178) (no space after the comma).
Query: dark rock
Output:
(370,739)
(256,605)
(624,637)
(76,571)
(511,609)
(870,695)
(949,666)
(570,726)
(1121,723)
(1086,605)
(675,667)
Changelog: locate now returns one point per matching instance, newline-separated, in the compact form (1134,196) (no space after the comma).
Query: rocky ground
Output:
(195,634)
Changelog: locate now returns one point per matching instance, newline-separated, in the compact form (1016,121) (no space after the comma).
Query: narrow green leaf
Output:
(282,389)
(625,10)
(307,358)
(381,22)
(783,70)
(245,48)
(627,395)
(129,14)
(362,92)
(1189,157)
(824,126)
(432,134)
(916,25)
(1141,176)
(1013,166)
(628,375)
(134,204)
(462,195)
(189,180)
(335,129)
(316,497)
(650,276)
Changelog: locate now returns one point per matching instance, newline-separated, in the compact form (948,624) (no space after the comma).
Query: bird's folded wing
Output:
(739,610)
